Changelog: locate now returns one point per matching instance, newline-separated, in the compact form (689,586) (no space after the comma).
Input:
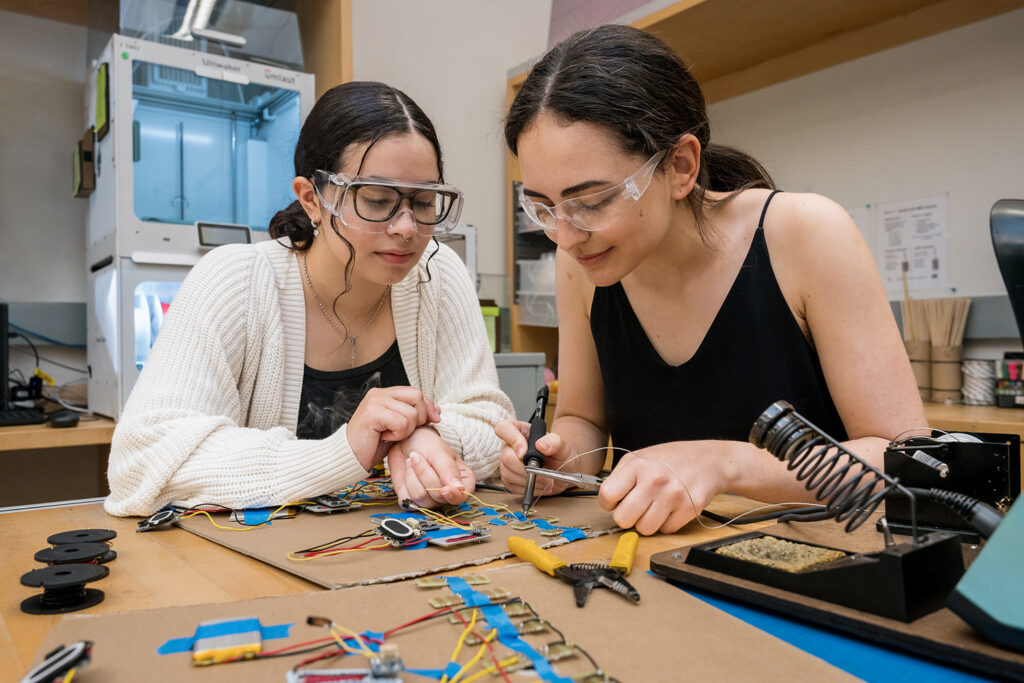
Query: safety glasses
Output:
(593,211)
(372,204)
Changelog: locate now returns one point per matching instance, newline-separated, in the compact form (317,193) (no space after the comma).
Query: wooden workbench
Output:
(27,437)
(975,418)
(42,463)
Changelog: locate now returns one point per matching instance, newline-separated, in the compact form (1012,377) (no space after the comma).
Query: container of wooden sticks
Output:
(918,344)
(947,319)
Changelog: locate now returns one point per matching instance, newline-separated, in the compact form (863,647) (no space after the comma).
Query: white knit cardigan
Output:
(212,417)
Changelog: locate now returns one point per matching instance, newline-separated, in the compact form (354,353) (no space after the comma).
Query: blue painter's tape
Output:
(498,522)
(508,635)
(493,614)
(226,628)
(257,515)
(452,669)
(428,673)
(471,597)
(568,533)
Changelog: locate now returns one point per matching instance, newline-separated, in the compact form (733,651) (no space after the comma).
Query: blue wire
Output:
(50,340)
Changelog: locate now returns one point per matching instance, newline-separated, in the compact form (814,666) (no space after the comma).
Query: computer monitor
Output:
(5,370)
(1006,224)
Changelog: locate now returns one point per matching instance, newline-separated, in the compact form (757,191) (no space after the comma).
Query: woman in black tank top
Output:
(691,294)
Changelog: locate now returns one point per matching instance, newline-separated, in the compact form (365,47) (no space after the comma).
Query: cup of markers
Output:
(1010,383)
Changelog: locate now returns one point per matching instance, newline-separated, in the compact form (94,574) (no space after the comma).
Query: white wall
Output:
(452,57)
(943,114)
(42,228)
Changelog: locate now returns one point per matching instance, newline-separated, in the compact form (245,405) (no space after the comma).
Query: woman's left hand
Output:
(425,470)
(667,487)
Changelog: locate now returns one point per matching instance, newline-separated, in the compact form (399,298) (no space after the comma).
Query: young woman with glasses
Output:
(691,295)
(290,368)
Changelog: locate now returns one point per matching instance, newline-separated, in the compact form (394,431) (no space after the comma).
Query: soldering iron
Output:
(533,457)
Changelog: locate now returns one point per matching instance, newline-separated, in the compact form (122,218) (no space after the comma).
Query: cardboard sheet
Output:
(668,636)
(272,543)
(941,635)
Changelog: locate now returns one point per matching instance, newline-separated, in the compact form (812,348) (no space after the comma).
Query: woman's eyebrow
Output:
(578,187)
(585,185)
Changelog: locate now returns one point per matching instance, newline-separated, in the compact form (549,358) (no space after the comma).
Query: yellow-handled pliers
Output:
(584,576)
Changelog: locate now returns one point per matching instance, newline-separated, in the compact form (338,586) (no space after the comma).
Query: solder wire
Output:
(697,514)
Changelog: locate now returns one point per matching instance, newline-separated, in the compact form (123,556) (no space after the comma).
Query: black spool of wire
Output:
(850,488)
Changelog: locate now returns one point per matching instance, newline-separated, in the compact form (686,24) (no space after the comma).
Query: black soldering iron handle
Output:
(533,457)
(538,428)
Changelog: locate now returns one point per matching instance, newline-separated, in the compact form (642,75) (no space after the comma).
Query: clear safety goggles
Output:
(371,204)
(593,211)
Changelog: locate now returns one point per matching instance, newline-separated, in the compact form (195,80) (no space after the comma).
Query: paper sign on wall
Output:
(912,234)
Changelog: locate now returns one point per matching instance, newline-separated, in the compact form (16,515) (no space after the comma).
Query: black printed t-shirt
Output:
(329,398)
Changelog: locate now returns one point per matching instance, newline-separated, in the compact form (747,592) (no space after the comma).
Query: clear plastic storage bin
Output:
(537,276)
(537,309)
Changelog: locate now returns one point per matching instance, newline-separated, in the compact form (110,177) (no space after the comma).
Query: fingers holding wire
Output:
(441,477)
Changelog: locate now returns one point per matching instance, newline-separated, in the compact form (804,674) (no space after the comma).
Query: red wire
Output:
(373,539)
(416,621)
(486,642)
(297,645)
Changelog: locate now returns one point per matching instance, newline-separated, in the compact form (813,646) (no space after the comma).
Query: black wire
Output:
(35,351)
(768,516)
(204,507)
(330,545)
(298,652)
(492,486)
(52,362)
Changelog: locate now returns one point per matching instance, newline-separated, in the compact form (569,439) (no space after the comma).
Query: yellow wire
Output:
(442,519)
(362,644)
(342,644)
(477,656)
(492,668)
(491,505)
(462,639)
(270,518)
(69,676)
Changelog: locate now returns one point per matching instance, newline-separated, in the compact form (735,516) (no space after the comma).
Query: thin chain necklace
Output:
(330,318)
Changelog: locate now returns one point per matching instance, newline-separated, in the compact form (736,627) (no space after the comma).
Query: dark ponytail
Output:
(348,114)
(293,223)
(635,86)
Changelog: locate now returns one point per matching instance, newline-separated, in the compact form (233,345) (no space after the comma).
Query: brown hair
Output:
(635,86)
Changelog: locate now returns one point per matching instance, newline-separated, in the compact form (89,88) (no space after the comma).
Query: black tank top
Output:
(754,354)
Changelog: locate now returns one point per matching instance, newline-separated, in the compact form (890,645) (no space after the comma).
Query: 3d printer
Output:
(193,149)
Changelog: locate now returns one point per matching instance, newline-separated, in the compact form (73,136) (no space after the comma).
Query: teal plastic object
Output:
(990,596)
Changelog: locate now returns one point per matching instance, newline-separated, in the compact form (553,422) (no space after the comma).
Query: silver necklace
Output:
(330,318)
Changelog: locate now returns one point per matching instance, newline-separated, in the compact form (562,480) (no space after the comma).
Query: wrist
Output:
(743,469)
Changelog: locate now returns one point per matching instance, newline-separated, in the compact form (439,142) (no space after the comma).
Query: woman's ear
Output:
(683,165)
(304,190)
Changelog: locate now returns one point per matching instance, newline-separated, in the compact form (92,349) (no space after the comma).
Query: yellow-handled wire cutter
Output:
(584,576)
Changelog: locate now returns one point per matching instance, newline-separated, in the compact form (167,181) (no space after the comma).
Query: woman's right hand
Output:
(385,416)
(513,474)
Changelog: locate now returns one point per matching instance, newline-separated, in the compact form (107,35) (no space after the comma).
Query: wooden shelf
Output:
(975,418)
(27,437)
(736,46)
